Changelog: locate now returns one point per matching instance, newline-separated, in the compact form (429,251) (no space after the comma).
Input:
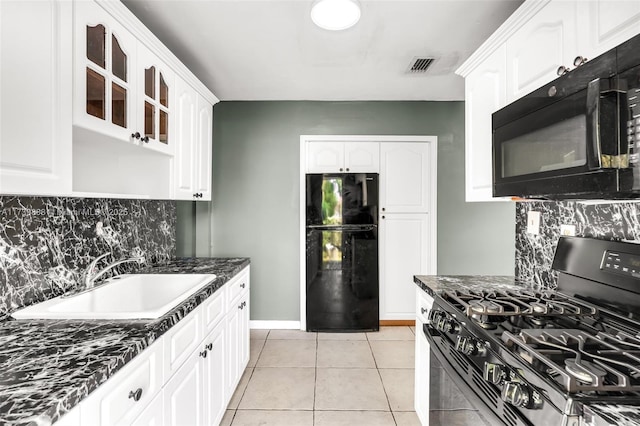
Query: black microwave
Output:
(576,137)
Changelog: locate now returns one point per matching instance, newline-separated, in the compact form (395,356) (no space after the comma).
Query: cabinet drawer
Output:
(182,340)
(424,303)
(213,310)
(236,287)
(125,395)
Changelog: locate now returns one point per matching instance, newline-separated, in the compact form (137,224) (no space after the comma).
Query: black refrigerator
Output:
(342,252)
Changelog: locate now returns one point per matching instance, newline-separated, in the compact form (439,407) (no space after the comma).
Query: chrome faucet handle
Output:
(88,279)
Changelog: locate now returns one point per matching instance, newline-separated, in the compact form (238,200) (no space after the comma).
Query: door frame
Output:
(433,177)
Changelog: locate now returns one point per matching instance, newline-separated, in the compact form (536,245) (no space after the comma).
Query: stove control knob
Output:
(451,326)
(516,394)
(494,373)
(434,316)
(470,346)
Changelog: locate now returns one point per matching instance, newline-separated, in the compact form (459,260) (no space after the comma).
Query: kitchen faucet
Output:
(90,277)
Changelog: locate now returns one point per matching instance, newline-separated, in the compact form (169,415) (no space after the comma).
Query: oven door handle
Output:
(468,392)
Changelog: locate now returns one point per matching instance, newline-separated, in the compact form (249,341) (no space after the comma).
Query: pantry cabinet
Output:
(343,157)
(183,377)
(407,185)
(404,252)
(525,54)
(35,101)
(406,181)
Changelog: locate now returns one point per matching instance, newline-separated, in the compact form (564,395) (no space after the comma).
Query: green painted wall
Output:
(255,202)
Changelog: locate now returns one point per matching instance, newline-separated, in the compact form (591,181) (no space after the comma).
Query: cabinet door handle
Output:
(347,169)
(136,395)
(145,139)
(209,346)
(203,354)
(383,217)
(383,209)
(241,306)
(242,285)
(562,70)
(135,135)
(423,310)
(579,60)
(341,169)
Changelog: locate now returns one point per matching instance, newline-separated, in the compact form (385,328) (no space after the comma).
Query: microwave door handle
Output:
(594,152)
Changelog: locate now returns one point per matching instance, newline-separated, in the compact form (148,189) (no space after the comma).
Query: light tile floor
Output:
(296,378)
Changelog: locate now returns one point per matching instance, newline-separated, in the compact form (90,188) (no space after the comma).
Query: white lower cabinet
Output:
(184,394)
(187,376)
(153,414)
(237,341)
(214,385)
(423,358)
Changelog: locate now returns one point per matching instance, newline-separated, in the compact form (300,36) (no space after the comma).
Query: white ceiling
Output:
(270,49)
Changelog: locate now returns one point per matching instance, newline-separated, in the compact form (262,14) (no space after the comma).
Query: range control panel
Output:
(621,263)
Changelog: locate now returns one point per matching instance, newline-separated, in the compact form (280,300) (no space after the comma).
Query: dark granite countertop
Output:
(436,284)
(48,367)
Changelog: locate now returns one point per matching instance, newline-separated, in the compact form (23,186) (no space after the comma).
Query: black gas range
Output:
(569,356)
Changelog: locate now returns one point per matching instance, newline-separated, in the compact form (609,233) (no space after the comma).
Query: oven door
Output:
(469,380)
(560,139)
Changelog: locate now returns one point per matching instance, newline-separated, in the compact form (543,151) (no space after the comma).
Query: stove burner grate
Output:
(580,361)
(512,303)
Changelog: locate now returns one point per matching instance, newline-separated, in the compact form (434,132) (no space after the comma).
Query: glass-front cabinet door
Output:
(105,60)
(155,99)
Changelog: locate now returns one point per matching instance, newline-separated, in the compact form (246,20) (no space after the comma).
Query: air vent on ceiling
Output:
(420,64)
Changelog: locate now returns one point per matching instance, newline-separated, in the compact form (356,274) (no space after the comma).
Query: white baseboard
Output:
(275,325)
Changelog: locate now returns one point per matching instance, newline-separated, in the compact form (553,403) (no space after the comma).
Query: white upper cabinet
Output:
(343,157)
(405,177)
(536,50)
(485,93)
(101,90)
(608,24)
(35,102)
(105,73)
(194,126)
(155,102)
(525,54)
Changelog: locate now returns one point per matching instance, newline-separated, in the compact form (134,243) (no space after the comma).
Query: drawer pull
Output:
(242,285)
(423,310)
(136,395)
(203,354)
(209,346)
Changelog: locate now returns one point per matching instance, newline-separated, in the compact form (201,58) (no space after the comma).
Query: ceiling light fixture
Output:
(335,15)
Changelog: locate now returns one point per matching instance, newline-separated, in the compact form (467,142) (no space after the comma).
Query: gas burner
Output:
(486,322)
(585,371)
(484,307)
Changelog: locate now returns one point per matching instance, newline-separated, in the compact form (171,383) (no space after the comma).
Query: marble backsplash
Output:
(46,243)
(602,220)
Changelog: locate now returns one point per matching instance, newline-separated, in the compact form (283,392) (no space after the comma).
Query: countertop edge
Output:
(157,328)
